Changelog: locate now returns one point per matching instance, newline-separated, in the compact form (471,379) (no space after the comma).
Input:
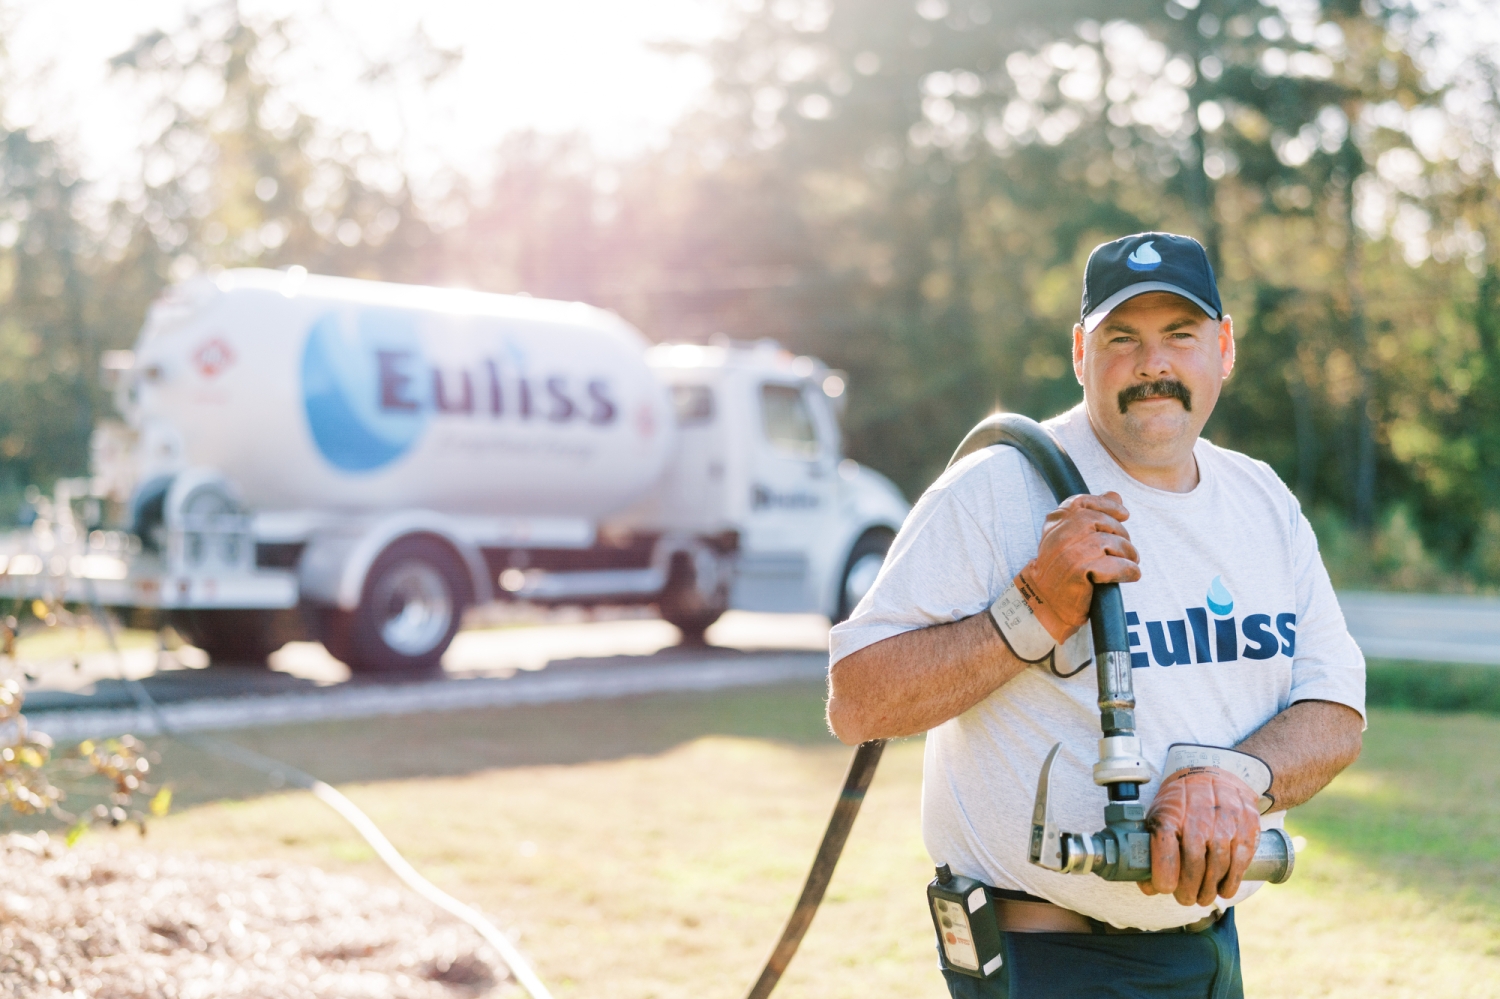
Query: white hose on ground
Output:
(349,811)
(518,964)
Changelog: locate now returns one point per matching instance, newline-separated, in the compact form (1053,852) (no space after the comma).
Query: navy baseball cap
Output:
(1147,261)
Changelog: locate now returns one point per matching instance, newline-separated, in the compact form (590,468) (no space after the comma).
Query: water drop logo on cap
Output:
(346,366)
(1220,600)
(1144,257)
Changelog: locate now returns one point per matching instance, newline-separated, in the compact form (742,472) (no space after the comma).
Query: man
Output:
(1237,641)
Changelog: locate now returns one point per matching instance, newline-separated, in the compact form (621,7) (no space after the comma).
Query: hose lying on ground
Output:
(856,783)
(276,770)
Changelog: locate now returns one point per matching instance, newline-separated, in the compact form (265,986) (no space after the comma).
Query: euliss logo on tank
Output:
(371,392)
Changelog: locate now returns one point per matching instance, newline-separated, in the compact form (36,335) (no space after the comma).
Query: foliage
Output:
(236,176)
(957,162)
(982,150)
(28,770)
(233,176)
(1391,557)
(908,189)
(1432,686)
(48,399)
(114,769)
(23,786)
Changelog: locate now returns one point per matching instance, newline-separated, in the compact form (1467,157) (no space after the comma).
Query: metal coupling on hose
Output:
(1082,853)
(1120,760)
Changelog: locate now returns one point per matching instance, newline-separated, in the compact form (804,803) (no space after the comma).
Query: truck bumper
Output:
(265,589)
(599,585)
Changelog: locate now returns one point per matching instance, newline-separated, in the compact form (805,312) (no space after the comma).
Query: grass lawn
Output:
(41,644)
(653,847)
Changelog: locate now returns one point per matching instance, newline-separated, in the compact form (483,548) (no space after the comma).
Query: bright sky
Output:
(555,65)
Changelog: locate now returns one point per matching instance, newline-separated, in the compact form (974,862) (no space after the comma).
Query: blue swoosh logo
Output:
(1220,600)
(340,390)
(1144,257)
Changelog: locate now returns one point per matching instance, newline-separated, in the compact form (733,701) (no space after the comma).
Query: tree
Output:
(48,394)
(238,176)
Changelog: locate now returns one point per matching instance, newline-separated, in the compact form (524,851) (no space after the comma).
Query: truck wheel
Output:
(237,637)
(683,603)
(408,614)
(863,565)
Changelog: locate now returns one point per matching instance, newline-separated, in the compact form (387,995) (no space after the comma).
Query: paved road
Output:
(492,667)
(1454,629)
(484,668)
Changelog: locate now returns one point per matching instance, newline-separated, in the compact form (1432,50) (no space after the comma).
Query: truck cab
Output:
(760,454)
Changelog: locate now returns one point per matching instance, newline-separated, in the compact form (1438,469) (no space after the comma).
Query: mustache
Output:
(1164,388)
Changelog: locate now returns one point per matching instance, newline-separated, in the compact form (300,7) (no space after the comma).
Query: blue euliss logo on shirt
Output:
(1215,639)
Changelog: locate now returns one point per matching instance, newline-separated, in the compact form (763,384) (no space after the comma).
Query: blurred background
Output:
(904,189)
(907,190)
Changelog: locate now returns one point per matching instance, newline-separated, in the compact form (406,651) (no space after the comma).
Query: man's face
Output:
(1151,374)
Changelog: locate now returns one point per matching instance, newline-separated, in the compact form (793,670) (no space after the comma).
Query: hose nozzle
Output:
(1121,851)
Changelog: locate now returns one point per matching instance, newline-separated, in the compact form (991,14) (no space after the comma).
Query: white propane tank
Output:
(338,394)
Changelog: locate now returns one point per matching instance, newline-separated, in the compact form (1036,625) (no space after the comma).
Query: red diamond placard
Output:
(213,357)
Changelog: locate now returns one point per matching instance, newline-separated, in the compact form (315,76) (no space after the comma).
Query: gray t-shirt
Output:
(1233,620)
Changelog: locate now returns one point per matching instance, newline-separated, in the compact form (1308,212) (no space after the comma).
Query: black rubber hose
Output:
(856,783)
(1107,609)
(1107,613)
(1047,456)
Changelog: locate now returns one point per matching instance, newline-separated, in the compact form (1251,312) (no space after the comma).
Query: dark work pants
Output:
(1127,966)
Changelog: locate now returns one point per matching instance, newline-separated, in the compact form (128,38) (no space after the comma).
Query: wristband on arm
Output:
(1019,626)
(1253,770)
(1033,643)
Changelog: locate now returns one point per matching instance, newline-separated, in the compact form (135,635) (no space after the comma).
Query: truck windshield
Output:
(788,424)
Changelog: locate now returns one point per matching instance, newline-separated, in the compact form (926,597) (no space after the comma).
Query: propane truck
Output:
(358,462)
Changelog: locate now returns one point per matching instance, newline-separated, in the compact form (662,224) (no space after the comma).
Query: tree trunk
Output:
(1364,424)
(1201,191)
(1200,186)
(1303,421)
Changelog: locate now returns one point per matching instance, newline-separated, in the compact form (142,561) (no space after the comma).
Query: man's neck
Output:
(1173,471)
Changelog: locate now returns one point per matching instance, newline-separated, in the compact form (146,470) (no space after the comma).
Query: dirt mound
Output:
(105,923)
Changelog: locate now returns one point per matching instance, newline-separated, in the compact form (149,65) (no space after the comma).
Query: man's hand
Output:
(1204,829)
(1084,542)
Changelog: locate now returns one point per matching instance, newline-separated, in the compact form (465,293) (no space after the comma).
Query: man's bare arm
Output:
(916,680)
(1306,745)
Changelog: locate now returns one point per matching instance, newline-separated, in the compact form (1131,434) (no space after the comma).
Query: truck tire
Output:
(861,568)
(413,599)
(230,637)
(683,604)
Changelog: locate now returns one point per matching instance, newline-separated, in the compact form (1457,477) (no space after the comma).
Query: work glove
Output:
(1084,542)
(1204,828)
